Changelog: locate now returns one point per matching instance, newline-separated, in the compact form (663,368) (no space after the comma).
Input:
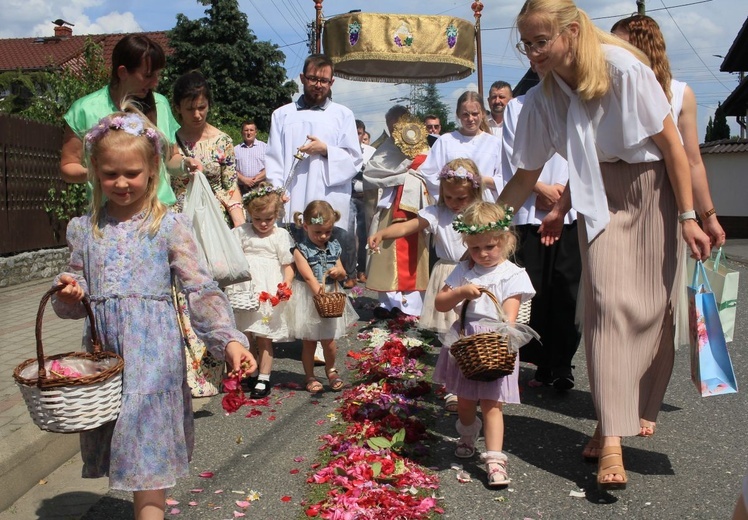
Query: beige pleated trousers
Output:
(628,272)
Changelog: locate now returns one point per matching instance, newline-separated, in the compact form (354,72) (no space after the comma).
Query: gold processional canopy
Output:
(395,48)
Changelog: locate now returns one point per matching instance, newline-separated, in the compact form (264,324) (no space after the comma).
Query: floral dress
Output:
(219,167)
(128,276)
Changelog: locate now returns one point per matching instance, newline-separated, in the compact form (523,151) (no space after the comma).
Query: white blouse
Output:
(484,149)
(617,126)
(555,171)
(448,244)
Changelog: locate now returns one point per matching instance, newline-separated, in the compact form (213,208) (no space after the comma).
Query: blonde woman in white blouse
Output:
(602,109)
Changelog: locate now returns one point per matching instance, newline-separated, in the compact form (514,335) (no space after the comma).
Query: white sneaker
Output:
(319,355)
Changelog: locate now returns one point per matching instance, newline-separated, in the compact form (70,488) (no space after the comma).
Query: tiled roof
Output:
(52,52)
(724,146)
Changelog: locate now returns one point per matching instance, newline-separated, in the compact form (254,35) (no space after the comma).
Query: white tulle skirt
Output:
(305,323)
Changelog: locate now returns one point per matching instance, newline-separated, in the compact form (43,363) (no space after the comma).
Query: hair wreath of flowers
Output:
(261,192)
(460,173)
(131,124)
(474,229)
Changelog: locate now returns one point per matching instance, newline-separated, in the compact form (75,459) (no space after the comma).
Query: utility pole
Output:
(640,9)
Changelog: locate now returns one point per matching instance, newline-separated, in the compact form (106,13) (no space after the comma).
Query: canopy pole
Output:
(318,26)
(477,8)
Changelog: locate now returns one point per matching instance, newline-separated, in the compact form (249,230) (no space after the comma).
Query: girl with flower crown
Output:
(485,230)
(123,256)
(267,248)
(460,185)
(317,259)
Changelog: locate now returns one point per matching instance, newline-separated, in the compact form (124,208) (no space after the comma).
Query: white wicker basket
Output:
(242,296)
(71,404)
(524,312)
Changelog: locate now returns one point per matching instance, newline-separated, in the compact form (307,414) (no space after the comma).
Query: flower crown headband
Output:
(261,192)
(473,229)
(131,124)
(460,173)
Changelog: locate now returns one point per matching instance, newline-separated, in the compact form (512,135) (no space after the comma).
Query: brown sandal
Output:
(611,463)
(591,451)
(313,386)
(336,382)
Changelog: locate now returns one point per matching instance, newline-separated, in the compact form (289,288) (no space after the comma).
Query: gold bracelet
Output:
(708,214)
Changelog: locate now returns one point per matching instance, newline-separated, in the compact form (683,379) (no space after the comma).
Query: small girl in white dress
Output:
(485,228)
(317,259)
(268,251)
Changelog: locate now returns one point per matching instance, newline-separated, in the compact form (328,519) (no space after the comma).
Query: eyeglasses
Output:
(433,126)
(540,46)
(314,79)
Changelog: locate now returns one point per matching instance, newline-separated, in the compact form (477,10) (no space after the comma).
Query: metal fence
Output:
(29,167)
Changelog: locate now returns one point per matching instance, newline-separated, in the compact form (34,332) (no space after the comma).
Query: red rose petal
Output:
(206,474)
(286,498)
(294,471)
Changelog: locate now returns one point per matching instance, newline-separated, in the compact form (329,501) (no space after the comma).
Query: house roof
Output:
(53,52)
(724,146)
(736,59)
(736,103)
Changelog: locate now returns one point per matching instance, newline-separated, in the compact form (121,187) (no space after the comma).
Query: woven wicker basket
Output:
(243,297)
(330,304)
(525,309)
(71,404)
(484,356)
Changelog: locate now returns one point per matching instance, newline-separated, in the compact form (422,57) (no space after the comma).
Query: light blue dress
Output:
(127,275)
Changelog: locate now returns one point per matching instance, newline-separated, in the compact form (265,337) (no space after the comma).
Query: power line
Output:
(271,26)
(694,50)
(289,24)
(612,16)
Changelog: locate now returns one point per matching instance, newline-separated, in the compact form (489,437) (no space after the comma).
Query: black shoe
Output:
(563,379)
(248,384)
(396,312)
(381,313)
(259,394)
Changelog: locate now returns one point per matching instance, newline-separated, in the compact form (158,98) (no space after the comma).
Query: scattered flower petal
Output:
(206,474)
(196,490)
(171,502)
(244,504)
(294,471)
(577,494)
(193,503)
(286,498)
(174,511)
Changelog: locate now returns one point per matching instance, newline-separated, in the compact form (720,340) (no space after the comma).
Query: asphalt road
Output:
(691,469)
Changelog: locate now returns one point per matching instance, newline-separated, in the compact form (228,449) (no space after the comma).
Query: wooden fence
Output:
(29,167)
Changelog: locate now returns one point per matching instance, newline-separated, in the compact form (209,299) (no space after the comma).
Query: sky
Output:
(697,33)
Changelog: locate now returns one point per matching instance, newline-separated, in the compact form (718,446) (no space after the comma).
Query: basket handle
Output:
(463,311)
(322,285)
(40,315)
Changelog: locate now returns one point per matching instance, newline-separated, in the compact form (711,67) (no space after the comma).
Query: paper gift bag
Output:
(724,283)
(711,368)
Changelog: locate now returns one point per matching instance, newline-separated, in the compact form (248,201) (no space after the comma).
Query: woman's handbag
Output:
(221,249)
(72,392)
(711,368)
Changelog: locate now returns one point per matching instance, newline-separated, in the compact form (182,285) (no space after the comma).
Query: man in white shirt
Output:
(325,132)
(499,95)
(250,158)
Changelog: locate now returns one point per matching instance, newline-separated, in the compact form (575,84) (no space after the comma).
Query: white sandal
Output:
(496,463)
(468,435)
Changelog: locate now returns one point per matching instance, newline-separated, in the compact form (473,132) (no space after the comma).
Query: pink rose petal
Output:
(298,459)
(218,491)
(174,511)
(206,474)
(242,503)
(196,490)
(193,503)
(171,502)
(237,514)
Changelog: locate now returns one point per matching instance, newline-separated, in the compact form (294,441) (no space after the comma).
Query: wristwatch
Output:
(687,215)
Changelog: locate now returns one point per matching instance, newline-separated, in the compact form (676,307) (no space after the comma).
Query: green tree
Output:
(246,76)
(717,128)
(61,87)
(429,101)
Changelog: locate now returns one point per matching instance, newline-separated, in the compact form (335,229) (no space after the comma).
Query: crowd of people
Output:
(537,198)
